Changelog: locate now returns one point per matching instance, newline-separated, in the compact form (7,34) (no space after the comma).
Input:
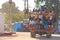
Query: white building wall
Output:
(2,23)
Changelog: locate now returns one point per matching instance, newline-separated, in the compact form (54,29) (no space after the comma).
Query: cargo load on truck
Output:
(41,22)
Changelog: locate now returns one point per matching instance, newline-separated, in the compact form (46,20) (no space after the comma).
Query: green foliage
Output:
(6,8)
(37,2)
(15,17)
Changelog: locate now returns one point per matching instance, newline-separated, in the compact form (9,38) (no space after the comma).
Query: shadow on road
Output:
(45,38)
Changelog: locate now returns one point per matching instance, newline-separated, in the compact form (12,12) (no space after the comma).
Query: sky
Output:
(19,4)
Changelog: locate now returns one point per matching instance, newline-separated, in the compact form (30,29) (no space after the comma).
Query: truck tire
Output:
(33,34)
(48,35)
(40,33)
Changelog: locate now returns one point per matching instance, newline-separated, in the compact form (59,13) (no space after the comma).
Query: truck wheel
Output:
(40,34)
(33,34)
(48,35)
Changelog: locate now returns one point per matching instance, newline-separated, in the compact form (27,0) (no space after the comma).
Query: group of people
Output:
(43,18)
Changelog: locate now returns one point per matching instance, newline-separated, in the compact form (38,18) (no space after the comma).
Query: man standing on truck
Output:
(51,19)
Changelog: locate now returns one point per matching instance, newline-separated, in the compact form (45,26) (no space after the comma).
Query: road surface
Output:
(54,37)
(18,36)
(26,36)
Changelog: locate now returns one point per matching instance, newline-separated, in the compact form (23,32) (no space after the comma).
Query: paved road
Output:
(54,37)
(26,36)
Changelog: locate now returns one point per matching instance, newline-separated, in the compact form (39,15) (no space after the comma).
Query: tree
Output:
(53,5)
(15,17)
(6,8)
(37,2)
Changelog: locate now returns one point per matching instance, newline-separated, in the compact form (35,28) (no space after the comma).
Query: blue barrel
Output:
(17,26)
(58,26)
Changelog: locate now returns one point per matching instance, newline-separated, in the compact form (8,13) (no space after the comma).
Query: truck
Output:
(42,31)
(39,29)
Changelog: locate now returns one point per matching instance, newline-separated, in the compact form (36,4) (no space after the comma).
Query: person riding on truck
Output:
(51,19)
(43,22)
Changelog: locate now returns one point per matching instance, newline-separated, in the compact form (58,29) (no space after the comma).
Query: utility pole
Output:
(10,15)
(26,8)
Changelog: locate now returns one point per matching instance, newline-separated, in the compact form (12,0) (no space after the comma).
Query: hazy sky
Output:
(19,3)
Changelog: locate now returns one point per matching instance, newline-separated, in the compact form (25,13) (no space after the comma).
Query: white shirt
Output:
(40,16)
(40,22)
(32,22)
(50,17)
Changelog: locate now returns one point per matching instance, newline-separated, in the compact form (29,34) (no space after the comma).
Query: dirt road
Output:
(26,36)
(18,36)
(54,37)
